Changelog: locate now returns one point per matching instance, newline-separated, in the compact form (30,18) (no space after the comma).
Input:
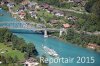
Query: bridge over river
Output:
(29,26)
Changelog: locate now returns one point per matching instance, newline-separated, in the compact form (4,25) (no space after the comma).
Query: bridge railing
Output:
(24,25)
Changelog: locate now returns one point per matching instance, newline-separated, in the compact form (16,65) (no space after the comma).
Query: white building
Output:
(31,62)
(0,62)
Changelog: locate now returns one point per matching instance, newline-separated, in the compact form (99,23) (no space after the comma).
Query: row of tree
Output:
(81,38)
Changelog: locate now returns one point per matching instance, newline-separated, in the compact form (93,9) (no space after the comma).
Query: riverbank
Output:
(83,46)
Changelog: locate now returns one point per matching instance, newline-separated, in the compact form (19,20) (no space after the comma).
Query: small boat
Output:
(51,52)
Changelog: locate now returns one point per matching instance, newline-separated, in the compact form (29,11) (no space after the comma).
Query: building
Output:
(33,14)
(72,18)
(50,10)
(31,62)
(70,1)
(5,1)
(10,5)
(33,5)
(76,1)
(92,46)
(40,26)
(66,25)
(25,2)
(54,21)
(45,6)
(58,13)
(21,14)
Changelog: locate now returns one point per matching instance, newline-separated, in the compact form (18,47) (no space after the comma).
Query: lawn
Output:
(7,51)
(44,14)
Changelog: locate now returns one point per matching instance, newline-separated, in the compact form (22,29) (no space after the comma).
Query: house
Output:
(92,46)
(70,1)
(10,5)
(45,6)
(66,25)
(72,18)
(33,14)
(5,1)
(31,62)
(40,26)
(58,13)
(22,8)
(1,3)
(37,7)
(54,21)
(25,2)
(21,14)
(75,1)
(32,4)
(50,10)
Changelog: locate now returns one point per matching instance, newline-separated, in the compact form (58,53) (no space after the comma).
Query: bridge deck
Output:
(24,26)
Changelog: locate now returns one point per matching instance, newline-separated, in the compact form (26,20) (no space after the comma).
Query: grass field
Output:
(8,51)
(44,14)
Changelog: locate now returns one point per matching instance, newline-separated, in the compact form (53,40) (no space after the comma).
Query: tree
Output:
(89,5)
(2,33)
(15,59)
(7,36)
(5,7)
(31,50)
(10,59)
(26,56)
(96,8)
(3,59)
(70,34)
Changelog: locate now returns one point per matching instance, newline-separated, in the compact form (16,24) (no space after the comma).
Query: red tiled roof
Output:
(66,25)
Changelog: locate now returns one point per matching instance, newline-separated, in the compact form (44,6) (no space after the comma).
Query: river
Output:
(65,50)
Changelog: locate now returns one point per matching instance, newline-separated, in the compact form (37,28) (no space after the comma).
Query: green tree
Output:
(96,8)
(5,7)
(26,56)
(89,5)
(3,59)
(7,36)
(31,50)
(15,59)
